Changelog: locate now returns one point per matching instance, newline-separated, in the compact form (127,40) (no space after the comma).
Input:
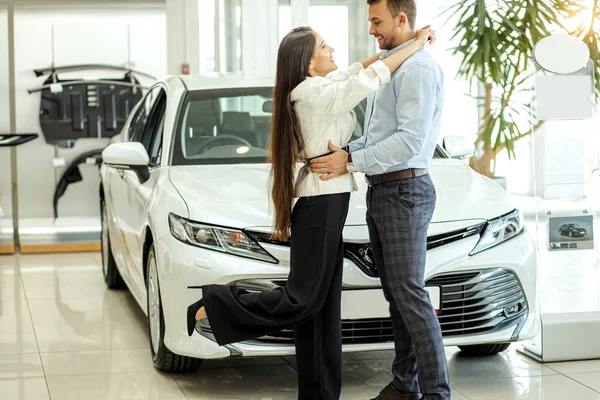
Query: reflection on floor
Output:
(64,336)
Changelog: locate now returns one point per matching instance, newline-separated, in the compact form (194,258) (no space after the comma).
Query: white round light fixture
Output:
(561,54)
(242,150)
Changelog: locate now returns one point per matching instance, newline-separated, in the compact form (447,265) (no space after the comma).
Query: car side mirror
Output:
(458,147)
(268,106)
(131,155)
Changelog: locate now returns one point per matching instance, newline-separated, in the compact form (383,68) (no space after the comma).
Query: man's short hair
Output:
(408,7)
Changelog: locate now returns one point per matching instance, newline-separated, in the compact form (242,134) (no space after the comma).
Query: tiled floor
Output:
(64,336)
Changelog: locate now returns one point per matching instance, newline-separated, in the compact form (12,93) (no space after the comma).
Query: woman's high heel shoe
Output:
(204,329)
(191,315)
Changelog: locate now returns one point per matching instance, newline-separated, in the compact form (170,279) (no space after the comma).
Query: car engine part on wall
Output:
(74,109)
(73,175)
(15,139)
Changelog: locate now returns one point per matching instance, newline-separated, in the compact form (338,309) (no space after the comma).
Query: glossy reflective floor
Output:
(64,336)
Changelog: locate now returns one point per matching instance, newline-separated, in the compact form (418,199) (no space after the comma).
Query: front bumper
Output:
(183,269)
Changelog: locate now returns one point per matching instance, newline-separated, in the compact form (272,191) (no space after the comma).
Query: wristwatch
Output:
(350,165)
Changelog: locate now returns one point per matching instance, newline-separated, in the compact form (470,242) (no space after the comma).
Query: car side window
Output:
(359,112)
(154,128)
(136,129)
(156,143)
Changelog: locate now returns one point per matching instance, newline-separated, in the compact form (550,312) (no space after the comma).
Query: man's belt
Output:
(394,176)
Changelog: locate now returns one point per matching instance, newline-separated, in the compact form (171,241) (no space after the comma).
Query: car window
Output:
(359,111)
(224,126)
(136,129)
(156,144)
(153,131)
(231,126)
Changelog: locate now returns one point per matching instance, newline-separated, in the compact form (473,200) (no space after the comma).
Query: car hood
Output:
(237,196)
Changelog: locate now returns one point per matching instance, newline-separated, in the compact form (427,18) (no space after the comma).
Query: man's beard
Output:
(388,42)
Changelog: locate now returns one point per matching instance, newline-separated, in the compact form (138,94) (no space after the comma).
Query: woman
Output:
(312,105)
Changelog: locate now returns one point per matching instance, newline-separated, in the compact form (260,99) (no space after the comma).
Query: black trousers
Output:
(310,301)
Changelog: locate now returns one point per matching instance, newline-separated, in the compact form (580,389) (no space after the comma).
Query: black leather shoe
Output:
(390,393)
(191,315)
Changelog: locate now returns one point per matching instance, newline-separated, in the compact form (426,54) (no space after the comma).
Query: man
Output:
(402,126)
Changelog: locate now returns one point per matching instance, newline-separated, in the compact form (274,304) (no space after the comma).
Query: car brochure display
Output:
(571,233)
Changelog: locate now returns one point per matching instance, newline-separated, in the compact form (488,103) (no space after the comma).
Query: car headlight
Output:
(500,230)
(225,240)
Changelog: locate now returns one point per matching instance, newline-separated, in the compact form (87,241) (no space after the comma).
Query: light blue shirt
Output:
(402,121)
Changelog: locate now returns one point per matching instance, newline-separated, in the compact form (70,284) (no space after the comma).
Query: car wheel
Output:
(479,350)
(111,274)
(163,359)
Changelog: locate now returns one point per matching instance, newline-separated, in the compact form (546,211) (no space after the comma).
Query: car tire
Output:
(111,274)
(163,358)
(479,350)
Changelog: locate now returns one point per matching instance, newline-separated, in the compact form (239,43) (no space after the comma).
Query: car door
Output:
(120,188)
(139,193)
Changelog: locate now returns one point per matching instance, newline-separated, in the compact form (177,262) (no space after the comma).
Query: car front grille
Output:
(479,302)
(361,254)
(364,331)
(473,302)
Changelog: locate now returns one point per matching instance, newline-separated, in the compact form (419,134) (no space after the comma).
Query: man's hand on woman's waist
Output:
(330,166)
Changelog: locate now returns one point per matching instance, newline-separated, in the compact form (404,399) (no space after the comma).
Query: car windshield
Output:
(232,126)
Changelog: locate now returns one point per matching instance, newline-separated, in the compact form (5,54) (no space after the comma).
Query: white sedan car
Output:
(185,202)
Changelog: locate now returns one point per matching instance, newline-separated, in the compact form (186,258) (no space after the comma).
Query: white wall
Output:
(82,36)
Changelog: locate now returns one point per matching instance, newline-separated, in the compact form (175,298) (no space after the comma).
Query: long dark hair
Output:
(293,59)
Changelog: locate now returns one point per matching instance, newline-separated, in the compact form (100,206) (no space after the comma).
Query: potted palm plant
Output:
(494,43)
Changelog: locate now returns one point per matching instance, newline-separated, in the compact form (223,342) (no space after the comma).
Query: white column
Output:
(259,36)
(14,177)
(300,12)
(183,35)
(360,44)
